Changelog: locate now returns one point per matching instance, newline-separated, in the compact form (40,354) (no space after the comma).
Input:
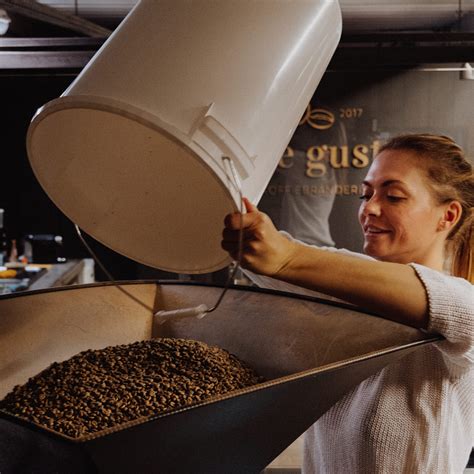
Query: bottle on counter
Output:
(13,254)
(3,239)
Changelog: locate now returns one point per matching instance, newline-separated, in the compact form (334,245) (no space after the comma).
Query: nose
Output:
(371,207)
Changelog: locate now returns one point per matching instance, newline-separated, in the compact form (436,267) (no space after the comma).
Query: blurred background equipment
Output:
(44,248)
(3,239)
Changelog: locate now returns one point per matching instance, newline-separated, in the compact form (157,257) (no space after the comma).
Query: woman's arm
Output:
(391,290)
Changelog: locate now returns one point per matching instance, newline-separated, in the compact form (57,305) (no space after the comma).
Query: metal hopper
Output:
(311,352)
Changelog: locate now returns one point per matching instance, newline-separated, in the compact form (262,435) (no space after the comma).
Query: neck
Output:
(433,261)
(433,257)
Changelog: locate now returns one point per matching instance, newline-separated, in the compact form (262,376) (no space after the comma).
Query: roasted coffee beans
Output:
(99,389)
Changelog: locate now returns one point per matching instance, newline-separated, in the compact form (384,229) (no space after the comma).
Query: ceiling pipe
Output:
(416,15)
(49,14)
(374,15)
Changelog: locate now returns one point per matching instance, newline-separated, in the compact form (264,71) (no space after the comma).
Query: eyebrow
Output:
(386,183)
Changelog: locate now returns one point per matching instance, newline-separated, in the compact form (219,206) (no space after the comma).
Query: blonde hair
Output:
(451,178)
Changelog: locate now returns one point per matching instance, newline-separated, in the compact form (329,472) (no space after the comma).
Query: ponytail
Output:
(463,251)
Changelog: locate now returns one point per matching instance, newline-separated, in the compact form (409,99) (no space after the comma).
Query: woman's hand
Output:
(264,249)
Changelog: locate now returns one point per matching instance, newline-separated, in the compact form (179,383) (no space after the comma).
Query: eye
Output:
(395,198)
(365,197)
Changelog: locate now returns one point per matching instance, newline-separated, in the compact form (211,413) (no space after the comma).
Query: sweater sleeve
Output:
(451,313)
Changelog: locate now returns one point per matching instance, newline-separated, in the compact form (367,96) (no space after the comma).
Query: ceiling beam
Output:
(33,9)
(355,52)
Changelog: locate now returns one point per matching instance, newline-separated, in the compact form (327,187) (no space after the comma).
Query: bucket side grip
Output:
(213,130)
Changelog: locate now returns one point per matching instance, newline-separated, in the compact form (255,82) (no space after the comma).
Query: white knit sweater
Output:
(414,416)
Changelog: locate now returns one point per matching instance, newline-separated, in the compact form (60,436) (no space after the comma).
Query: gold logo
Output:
(320,119)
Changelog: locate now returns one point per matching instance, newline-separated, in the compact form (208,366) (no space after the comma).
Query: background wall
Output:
(352,112)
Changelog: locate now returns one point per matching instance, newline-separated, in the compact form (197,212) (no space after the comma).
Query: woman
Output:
(416,415)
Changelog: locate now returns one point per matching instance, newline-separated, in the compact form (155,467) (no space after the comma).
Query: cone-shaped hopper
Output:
(310,351)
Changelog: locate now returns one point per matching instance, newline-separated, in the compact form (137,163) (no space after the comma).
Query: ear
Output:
(451,215)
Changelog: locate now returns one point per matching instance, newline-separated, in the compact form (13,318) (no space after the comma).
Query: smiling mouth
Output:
(373,231)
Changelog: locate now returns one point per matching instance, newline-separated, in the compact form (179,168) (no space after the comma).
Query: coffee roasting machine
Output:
(310,352)
(132,153)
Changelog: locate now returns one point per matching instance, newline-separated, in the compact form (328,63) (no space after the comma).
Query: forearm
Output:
(391,290)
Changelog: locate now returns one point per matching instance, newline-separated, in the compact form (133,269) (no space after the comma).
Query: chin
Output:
(381,255)
(374,251)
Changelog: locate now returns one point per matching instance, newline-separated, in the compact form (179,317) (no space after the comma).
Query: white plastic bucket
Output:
(132,151)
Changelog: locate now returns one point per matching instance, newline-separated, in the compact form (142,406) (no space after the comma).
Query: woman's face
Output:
(399,215)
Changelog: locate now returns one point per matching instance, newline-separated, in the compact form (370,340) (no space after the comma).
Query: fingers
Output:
(236,220)
(231,242)
(233,221)
(258,236)
(232,248)
(249,207)
(229,235)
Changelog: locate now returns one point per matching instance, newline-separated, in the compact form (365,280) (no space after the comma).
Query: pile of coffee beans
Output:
(99,389)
